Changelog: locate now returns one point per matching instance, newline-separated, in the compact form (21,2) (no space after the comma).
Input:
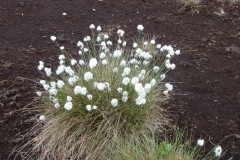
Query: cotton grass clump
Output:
(110,90)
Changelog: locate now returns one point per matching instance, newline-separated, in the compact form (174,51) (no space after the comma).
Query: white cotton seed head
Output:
(72,80)
(98,39)
(124,98)
(53,38)
(60,83)
(46,87)
(117,53)
(95,84)
(80,53)
(102,55)
(123,63)
(69,70)
(52,91)
(153,82)
(140,100)
(109,43)
(107,85)
(103,44)
(167,61)
(77,90)
(61,62)
(119,90)
(60,69)
(218,151)
(104,62)
(134,80)
(115,70)
(125,94)
(39,93)
(89,96)
(81,62)
(125,81)
(88,108)
(93,63)
(48,71)
(159,46)
(68,106)
(41,63)
(80,44)
(73,62)
(147,87)
(134,61)
(42,118)
(92,26)
(140,27)
(120,32)
(138,51)
(119,41)
(53,84)
(177,52)
(42,82)
(141,76)
(162,77)
(145,63)
(40,67)
(114,102)
(99,28)
(135,45)
(138,87)
(83,91)
(62,48)
(100,86)
(124,44)
(88,76)
(94,107)
(156,69)
(173,66)
(69,98)
(87,38)
(85,50)
(126,71)
(105,36)
(142,94)
(152,42)
(168,56)
(64,14)
(169,87)
(200,142)
(168,65)
(171,51)
(55,100)
(57,105)
(165,92)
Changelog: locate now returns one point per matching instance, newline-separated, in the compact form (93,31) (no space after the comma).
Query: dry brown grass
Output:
(191,5)
(77,138)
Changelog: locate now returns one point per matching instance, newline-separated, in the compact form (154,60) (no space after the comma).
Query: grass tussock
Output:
(111,90)
(190,5)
